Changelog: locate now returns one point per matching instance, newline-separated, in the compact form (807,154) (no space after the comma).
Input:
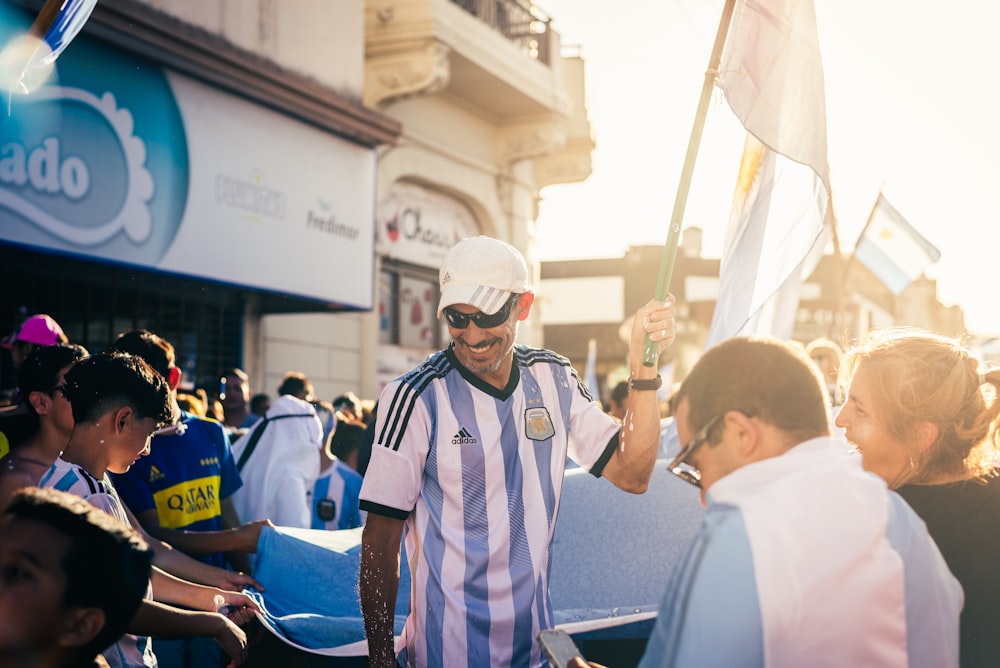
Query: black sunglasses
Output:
(679,467)
(460,320)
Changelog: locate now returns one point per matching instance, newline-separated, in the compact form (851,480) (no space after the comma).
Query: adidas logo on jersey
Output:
(463,437)
(155,473)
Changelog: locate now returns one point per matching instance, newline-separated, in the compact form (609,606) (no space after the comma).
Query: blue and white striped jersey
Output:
(477,474)
(334,498)
(130,651)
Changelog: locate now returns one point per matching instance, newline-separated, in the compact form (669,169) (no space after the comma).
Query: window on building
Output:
(407,306)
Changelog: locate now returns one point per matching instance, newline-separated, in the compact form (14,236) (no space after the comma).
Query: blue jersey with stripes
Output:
(130,651)
(476,472)
(334,498)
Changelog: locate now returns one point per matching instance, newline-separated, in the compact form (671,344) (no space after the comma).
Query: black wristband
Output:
(645,383)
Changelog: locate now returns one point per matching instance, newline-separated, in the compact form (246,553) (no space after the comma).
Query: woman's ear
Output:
(926,433)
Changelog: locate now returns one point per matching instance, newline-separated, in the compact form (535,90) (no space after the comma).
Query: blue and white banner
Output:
(612,557)
(892,249)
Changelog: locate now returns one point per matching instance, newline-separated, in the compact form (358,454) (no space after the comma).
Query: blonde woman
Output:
(924,415)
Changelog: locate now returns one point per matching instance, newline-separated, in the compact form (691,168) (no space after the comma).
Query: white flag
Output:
(891,249)
(772,78)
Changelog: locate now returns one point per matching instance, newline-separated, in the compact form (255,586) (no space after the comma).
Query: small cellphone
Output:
(558,647)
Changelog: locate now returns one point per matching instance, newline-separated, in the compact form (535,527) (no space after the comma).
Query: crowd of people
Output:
(132,503)
(115,429)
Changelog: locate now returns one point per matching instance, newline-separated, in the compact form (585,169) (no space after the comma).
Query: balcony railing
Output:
(519,21)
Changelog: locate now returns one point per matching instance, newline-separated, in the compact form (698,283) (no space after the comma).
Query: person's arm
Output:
(170,589)
(242,538)
(179,564)
(378,584)
(157,619)
(631,465)
(239,559)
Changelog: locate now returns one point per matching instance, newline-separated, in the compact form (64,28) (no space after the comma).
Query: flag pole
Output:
(839,279)
(845,268)
(652,351)
(871,215)
(46,17)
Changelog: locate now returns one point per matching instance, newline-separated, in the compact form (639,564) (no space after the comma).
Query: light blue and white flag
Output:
(599,588)
(772,77)
(892,249)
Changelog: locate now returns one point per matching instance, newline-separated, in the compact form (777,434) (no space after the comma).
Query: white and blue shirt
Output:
(335,499)
(130,651)
(805,559)
(477,472)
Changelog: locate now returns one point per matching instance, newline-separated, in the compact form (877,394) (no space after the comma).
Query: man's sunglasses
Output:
(679,466)
(460,320)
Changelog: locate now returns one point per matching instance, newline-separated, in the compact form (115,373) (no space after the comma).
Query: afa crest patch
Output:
(538,425)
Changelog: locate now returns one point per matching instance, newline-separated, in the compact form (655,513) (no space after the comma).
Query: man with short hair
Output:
(803,558)
(296,384)
(469,455)
(82,577)
(236,400)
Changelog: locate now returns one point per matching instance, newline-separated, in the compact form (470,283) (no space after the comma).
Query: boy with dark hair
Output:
(80,577)
(181,493)
(118,402)
(335,496)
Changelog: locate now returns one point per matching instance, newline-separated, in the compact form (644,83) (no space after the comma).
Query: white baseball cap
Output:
(483,272)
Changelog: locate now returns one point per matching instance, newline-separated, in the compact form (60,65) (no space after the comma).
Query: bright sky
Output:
(911,108)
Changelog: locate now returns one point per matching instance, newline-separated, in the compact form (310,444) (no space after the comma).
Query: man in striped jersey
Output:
(469,453)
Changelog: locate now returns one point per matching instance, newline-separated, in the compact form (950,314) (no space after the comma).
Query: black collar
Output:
(479,383)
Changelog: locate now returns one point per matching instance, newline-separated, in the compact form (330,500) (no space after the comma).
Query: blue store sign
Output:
(120,160)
